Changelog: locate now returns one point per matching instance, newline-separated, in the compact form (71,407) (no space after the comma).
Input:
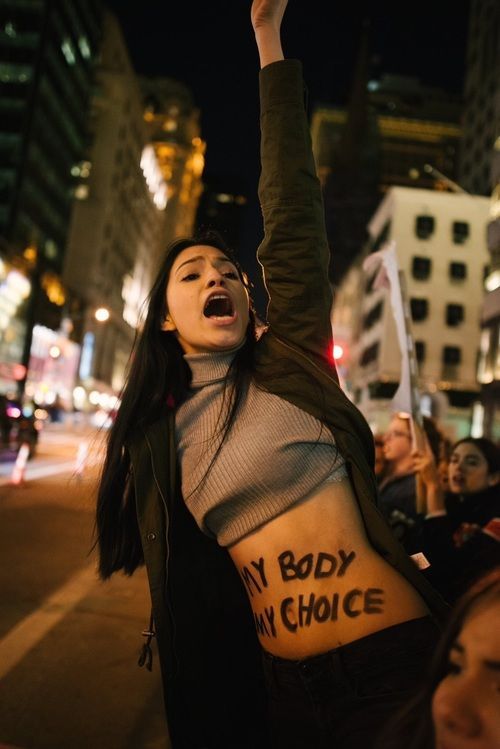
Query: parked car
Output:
(18,425)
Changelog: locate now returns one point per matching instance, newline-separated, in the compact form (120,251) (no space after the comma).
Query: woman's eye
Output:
(190,277)
(453,668)
(231,274)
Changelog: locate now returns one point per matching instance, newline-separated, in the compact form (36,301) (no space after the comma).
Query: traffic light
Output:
(338,351)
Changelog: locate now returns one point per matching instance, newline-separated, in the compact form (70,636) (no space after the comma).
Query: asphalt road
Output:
(68,643)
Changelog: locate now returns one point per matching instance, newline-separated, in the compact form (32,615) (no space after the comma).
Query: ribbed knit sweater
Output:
(274,456)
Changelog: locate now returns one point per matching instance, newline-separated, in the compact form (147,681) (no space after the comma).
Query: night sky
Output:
(210,47)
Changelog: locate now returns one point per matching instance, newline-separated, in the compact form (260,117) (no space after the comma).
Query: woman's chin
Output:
(227,340)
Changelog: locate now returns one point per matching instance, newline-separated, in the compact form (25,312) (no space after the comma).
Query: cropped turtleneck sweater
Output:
(274,456)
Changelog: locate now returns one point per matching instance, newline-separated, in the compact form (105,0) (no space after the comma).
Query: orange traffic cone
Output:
(17,476)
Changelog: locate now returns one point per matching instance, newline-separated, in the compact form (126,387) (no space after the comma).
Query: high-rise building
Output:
(222,207)
(173,128)
(480,173)
(393,131)
(441,247)
(481,116)
(47,55)
(118,224)
(415,125)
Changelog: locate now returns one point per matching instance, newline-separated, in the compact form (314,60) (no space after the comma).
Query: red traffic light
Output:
(338,351)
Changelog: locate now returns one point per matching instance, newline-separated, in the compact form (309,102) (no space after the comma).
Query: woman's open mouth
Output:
(457,481)
(220,308)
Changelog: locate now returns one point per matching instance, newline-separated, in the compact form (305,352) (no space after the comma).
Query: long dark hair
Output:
(158,378)
(412,727)
(489,450)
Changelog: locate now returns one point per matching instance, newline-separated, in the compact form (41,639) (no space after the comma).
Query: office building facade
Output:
(47,55)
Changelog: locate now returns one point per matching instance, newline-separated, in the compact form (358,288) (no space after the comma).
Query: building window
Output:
(369,283)
(452,355)
(458,271)
(460,231)
(421,268)
(454,314)
(369,354)
(419,309)
(420,351)
(373,315)
(424,226)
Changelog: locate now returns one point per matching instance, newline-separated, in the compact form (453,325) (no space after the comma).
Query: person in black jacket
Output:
(460,535)
(237,467)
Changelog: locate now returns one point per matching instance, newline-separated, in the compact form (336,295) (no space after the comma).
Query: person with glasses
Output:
(397,490)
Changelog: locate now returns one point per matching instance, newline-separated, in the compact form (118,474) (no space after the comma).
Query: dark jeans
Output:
(343,698)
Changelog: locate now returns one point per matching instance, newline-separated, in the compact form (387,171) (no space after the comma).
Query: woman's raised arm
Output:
(267,16)
(294,252)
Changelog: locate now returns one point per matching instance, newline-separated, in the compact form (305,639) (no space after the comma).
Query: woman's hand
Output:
(425,467)
(266,13)
(267,16)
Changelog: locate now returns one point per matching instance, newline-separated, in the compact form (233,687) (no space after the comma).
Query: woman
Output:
(459,705)
(252,443)
(461,532)
(398,490)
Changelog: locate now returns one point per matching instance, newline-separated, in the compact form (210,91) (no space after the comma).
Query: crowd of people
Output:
(442,501)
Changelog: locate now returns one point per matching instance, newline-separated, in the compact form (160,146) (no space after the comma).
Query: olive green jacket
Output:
(208,647)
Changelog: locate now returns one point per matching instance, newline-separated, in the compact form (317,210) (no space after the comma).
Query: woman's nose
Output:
(458,714)
(214,278)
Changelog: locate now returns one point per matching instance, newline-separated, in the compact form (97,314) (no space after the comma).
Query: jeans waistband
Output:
(417,632)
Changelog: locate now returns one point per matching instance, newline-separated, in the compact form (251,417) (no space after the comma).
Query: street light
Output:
(101,314)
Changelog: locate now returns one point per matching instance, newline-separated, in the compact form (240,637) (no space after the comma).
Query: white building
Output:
(442,249)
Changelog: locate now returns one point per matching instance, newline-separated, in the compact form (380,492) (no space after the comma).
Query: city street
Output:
(68,643)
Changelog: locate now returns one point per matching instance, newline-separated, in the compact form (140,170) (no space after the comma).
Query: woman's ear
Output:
(494,479)
(168,325)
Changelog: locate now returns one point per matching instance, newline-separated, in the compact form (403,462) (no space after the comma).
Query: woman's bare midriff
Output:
(314,581)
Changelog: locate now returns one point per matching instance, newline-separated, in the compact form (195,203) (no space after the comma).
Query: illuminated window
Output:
(50,249)
(14,73)
(67,50)
(81,192)
(496,336)
(484,374)
(84,47)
